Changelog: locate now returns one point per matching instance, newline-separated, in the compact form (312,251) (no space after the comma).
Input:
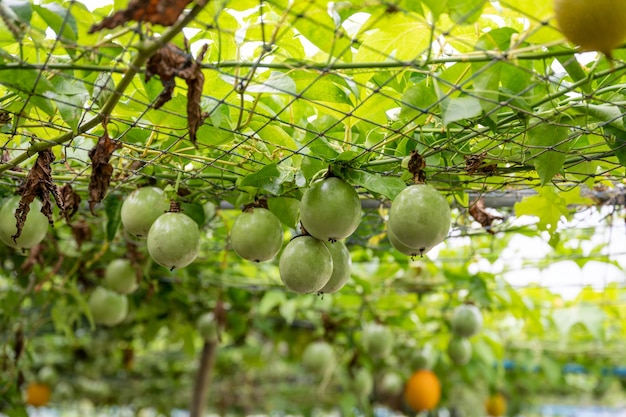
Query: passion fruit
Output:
(141,208)
(598,25)
(120,276)
(377,340)
(363,384)
(460,350)
(34,229)
(467,320)
(174,240)
(419,217)
(330,209)
(401,247)
(342,264)
(107,307)
(256,235)
(305,265)
(318,357)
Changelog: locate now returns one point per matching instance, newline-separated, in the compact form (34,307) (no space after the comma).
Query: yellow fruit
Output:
(594,25)
(496,405)
(422,391)
(37,394)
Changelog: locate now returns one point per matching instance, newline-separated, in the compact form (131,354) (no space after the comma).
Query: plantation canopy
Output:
(225,102)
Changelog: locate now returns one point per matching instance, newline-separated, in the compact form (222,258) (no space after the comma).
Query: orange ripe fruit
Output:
(496,405)
(423,390)
(37,394)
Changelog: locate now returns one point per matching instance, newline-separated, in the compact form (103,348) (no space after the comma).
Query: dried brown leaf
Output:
(169,62)
(478,211)
(475,163)
(160,12)
(81,232)
(71,201)
(101,169)
(38,184)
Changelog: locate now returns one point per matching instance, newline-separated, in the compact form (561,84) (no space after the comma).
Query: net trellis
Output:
(288,85)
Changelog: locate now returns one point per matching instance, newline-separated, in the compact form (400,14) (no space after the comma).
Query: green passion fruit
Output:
(107,307)
(330,209)
(363,383)
(174,240)
(377,340)
(318,357)
(141,208)
(120,276)
(256,235)
(305,265)
(342,264)
(419,217)
(35,226)
(402,248)
(459,350)
(467,320)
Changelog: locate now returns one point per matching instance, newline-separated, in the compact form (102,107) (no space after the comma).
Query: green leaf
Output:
(461,108)
(16,412)
(113,211)
(388,187)
(418,100)
(548,145)
(465,11)
(487,75)
(25,82)
(271,299)
(616,139)
(61,21)
(551,369)
(547,205)
(23,9)
(210,135)
(267,178)
(286,209)
(195,211)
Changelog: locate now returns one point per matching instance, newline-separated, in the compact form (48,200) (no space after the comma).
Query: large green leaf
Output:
(388,187)
(547,205)
(549,144)
(616,139)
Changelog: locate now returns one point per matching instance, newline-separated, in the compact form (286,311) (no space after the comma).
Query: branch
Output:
(203,378)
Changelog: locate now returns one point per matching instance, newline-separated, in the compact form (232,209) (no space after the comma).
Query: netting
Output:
(291,88)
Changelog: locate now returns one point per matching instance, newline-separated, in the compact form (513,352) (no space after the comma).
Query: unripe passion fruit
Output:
(467,320)
(141,208)
(363,383)
(401,247)
(377,340)
(35,226)
(391,384)
(256,235)
(342,264)
(460,350)
(419,217)
(107,307)
(174,240)
(330,209)
(318,357)
(120,276)
(305,265)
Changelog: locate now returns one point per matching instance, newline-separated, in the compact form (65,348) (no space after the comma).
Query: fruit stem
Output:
(174,207)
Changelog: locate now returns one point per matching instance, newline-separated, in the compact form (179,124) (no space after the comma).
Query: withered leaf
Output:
(160,12)
(101,169)
(169,62)
(71,201)
(81,232)
(38,184)
(481,215)
(475,163)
